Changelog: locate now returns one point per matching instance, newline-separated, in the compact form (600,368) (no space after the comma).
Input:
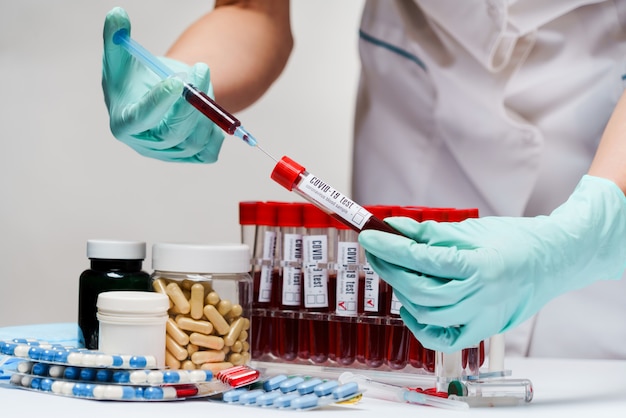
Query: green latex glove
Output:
(461,283)
(149,114)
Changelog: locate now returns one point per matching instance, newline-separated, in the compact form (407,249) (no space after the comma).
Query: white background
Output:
(65,179)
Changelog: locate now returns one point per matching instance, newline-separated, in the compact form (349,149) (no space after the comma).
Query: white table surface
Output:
(568,388)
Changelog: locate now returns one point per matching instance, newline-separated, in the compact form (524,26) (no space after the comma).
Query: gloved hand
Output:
(149,114)
(460,283)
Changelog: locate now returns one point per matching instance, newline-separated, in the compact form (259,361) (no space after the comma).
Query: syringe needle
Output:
(266,153)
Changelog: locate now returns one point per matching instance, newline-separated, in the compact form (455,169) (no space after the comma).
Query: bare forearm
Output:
(610,159)
(246,45)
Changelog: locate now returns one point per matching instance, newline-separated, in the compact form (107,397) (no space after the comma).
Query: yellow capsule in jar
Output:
(176,295)
(224,306)
(179,352)
(190,324)
(234,312)
(212,298)
(196,301)
(171,361)
(176,333)
(218,321)
(208,356)
(216,367)
(235,330)
(207,341)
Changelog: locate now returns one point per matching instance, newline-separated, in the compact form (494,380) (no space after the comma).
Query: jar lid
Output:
(116,250)
(137,302)
(201,258)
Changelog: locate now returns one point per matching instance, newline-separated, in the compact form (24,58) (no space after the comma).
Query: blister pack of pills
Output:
(75,372)
(298,393)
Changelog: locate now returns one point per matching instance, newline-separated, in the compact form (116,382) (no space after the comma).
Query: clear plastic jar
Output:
(210,293)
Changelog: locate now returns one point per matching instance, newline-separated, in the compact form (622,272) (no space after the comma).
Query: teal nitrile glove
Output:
(488,275)
(149,114)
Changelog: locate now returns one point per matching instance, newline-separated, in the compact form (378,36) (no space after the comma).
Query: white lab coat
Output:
(499,105)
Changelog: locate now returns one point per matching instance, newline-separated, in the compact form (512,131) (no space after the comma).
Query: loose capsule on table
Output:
(210,291)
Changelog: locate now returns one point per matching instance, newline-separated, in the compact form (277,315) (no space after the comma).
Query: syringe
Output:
(390,392)
(198,99)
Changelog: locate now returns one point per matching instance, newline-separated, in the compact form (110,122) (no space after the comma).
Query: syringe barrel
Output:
(294,177)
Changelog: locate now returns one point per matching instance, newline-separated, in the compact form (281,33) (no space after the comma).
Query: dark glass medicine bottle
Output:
(115,265)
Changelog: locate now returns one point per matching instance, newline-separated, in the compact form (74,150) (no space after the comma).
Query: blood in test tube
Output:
(264,275)
(472,358)
(373,295)
(317,251)
(416,350)
(347,297)
(287,291)
(439,215)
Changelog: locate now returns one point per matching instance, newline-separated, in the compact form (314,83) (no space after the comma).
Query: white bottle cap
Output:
(132,302)
(116,250)
(198,258)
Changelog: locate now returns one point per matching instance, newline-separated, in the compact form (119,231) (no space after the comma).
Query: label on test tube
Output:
(347,278)
(292,246)
(265,282)
(371,291)
(334,200)
(395,304)
(316,279)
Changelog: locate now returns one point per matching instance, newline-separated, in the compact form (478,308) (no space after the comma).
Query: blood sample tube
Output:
(348,268)
(247,222)
(416,350)
(439,215)
(286,295)
(313,338)
(265,274)
(472,357)
(371,348)
(294,177)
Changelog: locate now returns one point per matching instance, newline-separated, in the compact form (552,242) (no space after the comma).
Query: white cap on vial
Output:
(132,302)
(116,250)
(199,258)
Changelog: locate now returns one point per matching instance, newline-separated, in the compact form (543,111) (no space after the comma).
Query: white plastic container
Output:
(133,323)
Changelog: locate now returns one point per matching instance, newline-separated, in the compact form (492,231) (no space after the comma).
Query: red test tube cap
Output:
(314,217)
(286,172)
(247,212)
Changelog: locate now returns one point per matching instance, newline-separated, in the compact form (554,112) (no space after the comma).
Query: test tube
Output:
(347,294)
(316,253)
(294,177)
(265,274)
(247,222)
(416,350)
(286,293)
(371,349)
